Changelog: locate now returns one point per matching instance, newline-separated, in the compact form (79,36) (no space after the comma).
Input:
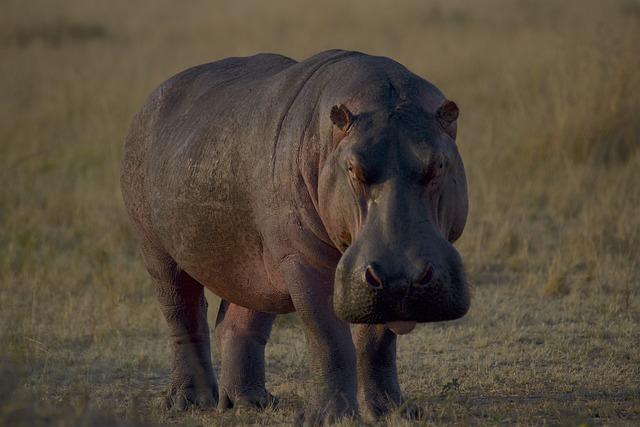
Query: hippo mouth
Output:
(401,327)
(437,303)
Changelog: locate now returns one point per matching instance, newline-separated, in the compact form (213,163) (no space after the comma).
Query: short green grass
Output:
(549,132)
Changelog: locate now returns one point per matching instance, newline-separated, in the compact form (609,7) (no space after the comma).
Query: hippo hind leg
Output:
(241,335)
(184,306)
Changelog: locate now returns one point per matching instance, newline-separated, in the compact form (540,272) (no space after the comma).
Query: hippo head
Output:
(393,197)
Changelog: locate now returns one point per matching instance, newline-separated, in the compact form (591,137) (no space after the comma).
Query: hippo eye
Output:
(435,173)
(356,172)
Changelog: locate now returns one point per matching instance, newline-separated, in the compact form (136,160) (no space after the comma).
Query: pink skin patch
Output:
(401,327)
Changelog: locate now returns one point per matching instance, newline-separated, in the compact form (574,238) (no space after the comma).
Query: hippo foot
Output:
(181,397)
(376,409)
(255,398)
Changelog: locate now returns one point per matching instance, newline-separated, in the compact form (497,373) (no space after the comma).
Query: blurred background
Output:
(549,132)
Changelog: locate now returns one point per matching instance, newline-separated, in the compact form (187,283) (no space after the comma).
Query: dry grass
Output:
(550,134)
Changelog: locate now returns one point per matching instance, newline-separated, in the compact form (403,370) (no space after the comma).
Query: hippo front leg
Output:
(331,350)
(378,386)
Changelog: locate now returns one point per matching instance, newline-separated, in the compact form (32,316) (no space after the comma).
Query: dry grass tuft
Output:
(556,284)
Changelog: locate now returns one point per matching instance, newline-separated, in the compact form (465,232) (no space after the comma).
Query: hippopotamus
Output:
(330,187)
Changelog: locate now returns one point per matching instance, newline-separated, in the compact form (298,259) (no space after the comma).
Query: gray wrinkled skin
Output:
(331,187)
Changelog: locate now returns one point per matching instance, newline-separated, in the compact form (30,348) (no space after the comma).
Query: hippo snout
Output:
(367,292)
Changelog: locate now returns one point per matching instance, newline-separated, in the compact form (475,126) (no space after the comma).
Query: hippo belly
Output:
(218,250)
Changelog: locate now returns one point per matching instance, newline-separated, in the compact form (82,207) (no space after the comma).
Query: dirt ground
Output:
(549,132)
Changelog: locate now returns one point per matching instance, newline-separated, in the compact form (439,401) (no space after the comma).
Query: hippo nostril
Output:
(372,278)
(426,276)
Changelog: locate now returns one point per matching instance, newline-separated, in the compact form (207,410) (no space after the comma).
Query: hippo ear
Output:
(447,115)
(341,117)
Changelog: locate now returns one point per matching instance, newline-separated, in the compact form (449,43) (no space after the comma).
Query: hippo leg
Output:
(184,307)
(331,351)
(241,335)
(378,387)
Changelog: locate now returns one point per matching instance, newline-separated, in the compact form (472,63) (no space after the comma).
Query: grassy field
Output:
(550,133)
